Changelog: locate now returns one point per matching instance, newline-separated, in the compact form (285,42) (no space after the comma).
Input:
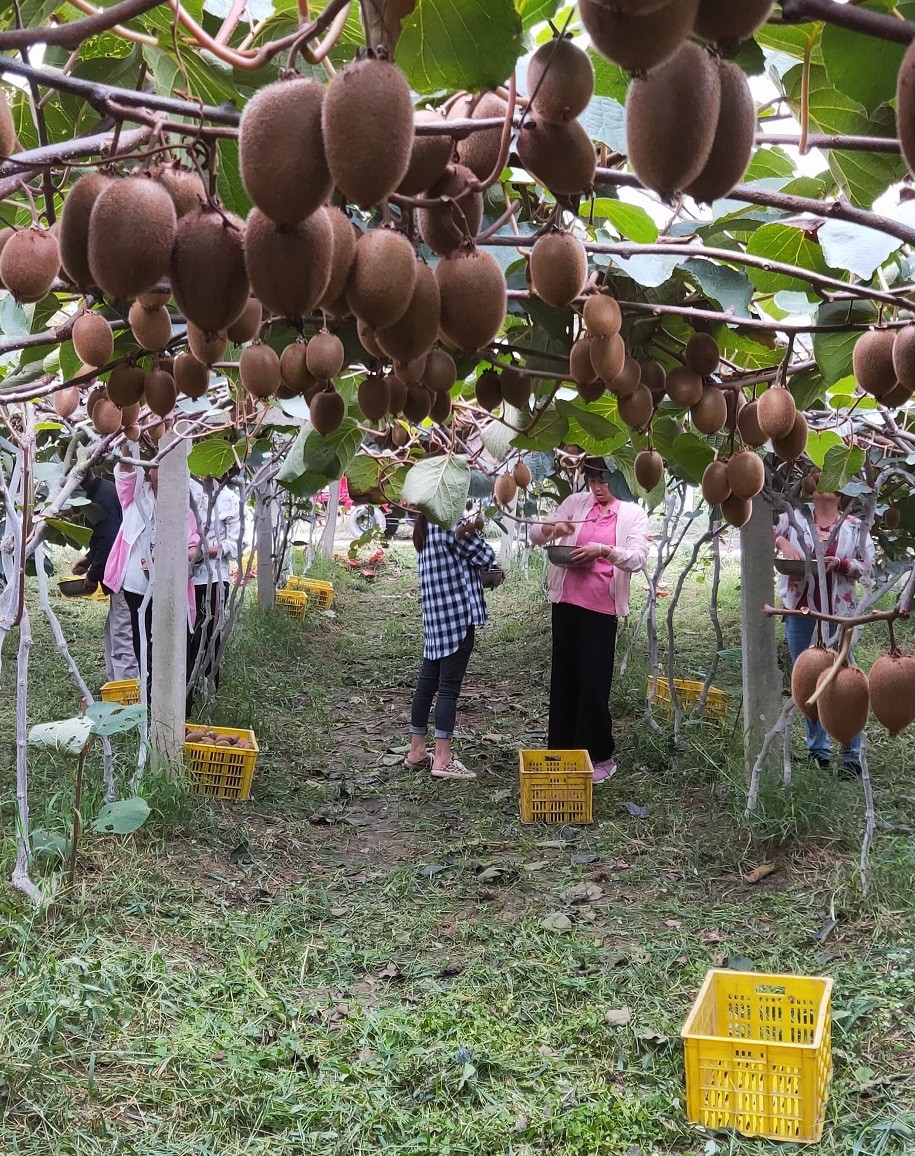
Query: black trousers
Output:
(441,679)
(206,627)
(584,644)
(134,602)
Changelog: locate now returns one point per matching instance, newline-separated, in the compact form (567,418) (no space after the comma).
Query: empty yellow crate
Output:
(556,786)
(294,603)
(758,1054)
(321,593)
(125,691)
(716,704)
(221,772)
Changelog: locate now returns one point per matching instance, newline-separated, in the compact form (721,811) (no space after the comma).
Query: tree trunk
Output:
(762,682)
(263,531)
(326,545)
(169,616)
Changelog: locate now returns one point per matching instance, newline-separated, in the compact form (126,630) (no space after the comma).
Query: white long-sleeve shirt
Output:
(220,529)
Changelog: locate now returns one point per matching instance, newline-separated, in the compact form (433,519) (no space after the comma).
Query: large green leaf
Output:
(833,351)
(68,736)
(313,459)
(604,120)
(121,818)
(690,455)
(630,221)
(820,442)
(854,248)
(212,457)
(455,44)
(548,433)
(840,466)
(862,67)
(439,487)
(535,11)
(81,535)
(108,718)
(791,246)
(730,287)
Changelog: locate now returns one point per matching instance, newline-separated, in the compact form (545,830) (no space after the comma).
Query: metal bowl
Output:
(795,567)
(561,555)
(72,587)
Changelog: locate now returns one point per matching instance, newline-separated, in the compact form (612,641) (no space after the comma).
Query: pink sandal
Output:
(454,770)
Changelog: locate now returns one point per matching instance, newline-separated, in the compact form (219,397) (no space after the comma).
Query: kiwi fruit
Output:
(160,392)
(29,263)
(106,417)
(591,391)
(151,327)
(489,390)
(809,484)
(726,23)
(628,380)
(844,705)
(398,394)
(790,448)
(126,383)
(343,250)
(367,340)
(382,279)
(367,123)
(748,425)
(66,401)
(608,356)
(440,373)
(208,274)
(873,362)
(445,227)
(775,412)
(289,266)
(474,298)
(655,378)
(522,475)
(515,387)
(441,407)
(805,673)
(602,316)
(410,372)
(208,348)
(184,187)
(581,370)
(73,237)
(259,369)
(735,403)
(8,139)
(415,333)
(479,152)
(684,386)
(505,489)
(891,684)
(638,40)
(399,436)
(156,432)
(904,358)
(418,405)
(562,77)
(153,298)
(281,150)
(429,156)
(559,268)
(247,326)
(5,234)
(92,339)
(191,376)
(326,410)
(897,397)
(735,136)
(374,396)
(95,396)
(702,354)
(130,414)
(905,107)
(746,474)
(560,157)
(131,234)
(294,369)
(736,511)
(324,355)
(649,469)
(715,486)
(710,412)
(637,409)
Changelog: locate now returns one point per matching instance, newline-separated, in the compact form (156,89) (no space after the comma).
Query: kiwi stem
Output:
(505,140)
(894,649)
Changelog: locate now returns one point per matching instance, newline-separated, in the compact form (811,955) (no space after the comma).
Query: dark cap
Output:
(597,468)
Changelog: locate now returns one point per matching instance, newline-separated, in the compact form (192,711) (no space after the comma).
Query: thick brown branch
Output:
(861,144)
(72,34)
(20,166)
(861,620)
(884,26)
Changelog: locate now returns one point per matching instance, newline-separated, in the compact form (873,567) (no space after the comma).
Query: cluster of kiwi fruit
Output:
(883,362)
(507,484)
(211,738)
(732,483)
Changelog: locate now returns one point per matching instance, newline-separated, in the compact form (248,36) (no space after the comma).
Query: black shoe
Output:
(850,770)
(820,760)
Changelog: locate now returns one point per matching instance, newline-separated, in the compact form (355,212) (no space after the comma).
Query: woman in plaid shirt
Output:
(450,562)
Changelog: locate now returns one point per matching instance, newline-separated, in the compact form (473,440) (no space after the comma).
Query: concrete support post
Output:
(762,682)
(326,545)
(263,530)
(170,605)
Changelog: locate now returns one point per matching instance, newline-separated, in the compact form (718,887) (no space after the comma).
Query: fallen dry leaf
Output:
(618,1017)
(760,872)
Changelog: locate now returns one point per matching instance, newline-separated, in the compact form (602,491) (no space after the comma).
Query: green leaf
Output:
(791,246)
(535,11)
(819,443)
(548,433)
(630,221)
(858,250)
(459,44)
(690,455)
(49,845)
(604,120)
(590,420)
(840,466)
(861,67)
(731,288)
(121,818)
(833,351)
(769,162)
(439,487)
(212,457)
(81,535)
(108,718)
(314,459)
(68,736)
(497,438)
(363,473)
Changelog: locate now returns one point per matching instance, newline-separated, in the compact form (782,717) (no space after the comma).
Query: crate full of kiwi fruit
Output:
(220,761)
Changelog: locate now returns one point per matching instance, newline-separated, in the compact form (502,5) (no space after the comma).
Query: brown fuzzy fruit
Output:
(259,369)
(805,674)
(608,356)
(522,475)
(736,511)
(892,518)
(294,368)
(73,237)
(844,705)
(441,408)
(649,469)
(581,370)
(892,691)
(66,401)
(367,123)
(151,327)
(131,234)
(367,340)
(8,140)
(191,376)
(776,412)
(92,339)
(636,410)
(410,372)
(281,150)
(748,425)
(153,298)
(602,316)
(655,377)
(873,363)
(727,23)
(289,267)
(684,386)
(702,354)
(715,486)
(505,489)
(440,373)
(628,380)
(208,274)
(247,326)
(327,410)
(398,393)
(479,152)
(445,227)
(735,135)
(905,107)
(904,365)
(125,384)
(95,396)
(560,157)
(515,387)
(559,267)
(591,391)
(638,41)
(489,390)
(160,392)
(474,298)
(400,436)
(418,405)
(374,396)
(428,158)
(710,412)
(382,279)
(746,474)
(562,77)
(343,250)
(324,355)
(106,417)
(736,401)
(415,333)
(29,263)
(208,348)
(790,448)
(184,187)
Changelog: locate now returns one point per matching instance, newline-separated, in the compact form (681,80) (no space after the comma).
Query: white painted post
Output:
(263,522)
(326,545)
(169,616)
(762,681)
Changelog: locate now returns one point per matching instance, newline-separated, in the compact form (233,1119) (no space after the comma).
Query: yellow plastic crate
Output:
(292,603)
(716,704)
(758,1054)
(320,593)
(221,772)
(98,595)
(125,691)
(556,786)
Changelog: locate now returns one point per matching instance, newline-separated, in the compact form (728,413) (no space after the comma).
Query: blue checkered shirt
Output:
(450,589)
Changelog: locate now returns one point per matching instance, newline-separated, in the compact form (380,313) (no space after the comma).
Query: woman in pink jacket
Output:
(611,540)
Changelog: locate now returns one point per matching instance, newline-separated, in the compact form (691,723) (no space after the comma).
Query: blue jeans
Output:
(799,634)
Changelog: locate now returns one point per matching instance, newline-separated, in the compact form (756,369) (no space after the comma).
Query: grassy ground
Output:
(364,960)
